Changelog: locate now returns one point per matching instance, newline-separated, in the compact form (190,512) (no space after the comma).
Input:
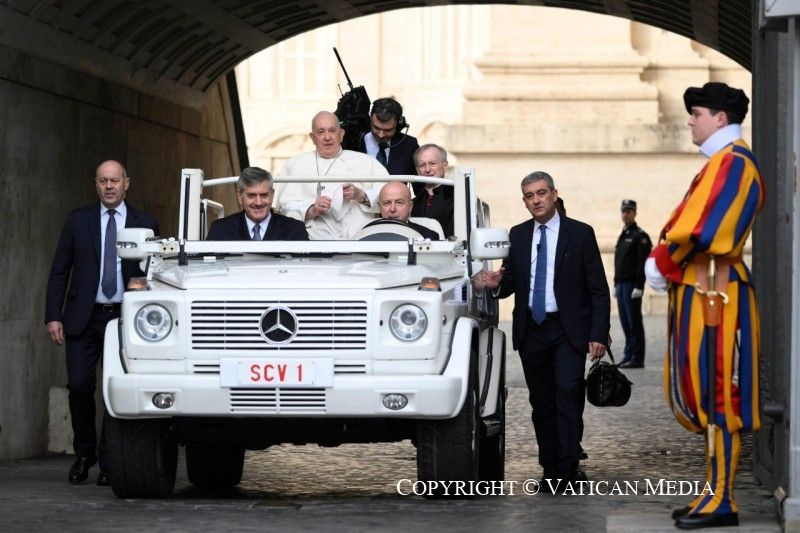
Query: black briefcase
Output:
(606,385)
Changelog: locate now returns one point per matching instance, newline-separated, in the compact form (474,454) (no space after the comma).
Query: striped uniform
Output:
(714,218)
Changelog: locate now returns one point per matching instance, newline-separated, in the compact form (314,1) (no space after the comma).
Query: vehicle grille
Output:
(321,325)
(306,400)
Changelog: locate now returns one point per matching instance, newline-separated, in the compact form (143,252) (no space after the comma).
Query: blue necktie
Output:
(110,257)
(381,155)
(538,309)
(257,232)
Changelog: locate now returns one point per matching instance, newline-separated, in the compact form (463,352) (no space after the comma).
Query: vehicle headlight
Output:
(408,322)
(153,322)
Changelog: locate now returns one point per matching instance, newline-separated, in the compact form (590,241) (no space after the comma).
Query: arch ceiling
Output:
(178,49)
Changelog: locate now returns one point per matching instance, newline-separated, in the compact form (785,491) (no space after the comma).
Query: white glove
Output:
(654,277)
(636,293)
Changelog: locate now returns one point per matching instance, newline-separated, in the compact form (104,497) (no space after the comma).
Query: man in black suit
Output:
(431,200)
(386,142)
(84,293)
(561,312)
(256,221)
(395,202)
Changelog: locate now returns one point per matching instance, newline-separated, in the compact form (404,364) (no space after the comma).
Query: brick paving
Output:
(353,487)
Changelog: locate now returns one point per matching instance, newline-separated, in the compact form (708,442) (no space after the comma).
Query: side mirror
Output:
(131,243)
(489,243)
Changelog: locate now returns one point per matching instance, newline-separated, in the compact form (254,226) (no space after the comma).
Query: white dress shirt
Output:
(552,226)
(264,224)
(373,145)
(119,217)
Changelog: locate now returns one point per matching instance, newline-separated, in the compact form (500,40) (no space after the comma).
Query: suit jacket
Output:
(440,208)
(401,154)
(234,228)
(579,284)
(78,255)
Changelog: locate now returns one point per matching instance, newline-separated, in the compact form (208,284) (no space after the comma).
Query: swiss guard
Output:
(711,367)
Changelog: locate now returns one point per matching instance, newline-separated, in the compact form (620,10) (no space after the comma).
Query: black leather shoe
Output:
(683,511)
(702,520)
(79,470)
(631,364)
(103,479)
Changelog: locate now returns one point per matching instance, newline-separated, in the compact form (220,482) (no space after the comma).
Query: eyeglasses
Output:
(112,181)
(431,164)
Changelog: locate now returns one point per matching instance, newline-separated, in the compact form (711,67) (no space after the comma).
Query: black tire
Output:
(449,450)
(493,447)
(142,457)
(211,465)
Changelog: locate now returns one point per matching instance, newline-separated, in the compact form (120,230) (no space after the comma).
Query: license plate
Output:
(276,373)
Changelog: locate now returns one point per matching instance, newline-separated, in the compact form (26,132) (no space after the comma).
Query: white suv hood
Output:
(323,273)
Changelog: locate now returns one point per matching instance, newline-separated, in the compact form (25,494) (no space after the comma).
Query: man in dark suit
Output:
(386,142)
(256,221)
(431,200)
(395,202)
(561,312)
(84,293)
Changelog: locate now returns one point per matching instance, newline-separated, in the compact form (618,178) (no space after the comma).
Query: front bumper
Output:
(429,396)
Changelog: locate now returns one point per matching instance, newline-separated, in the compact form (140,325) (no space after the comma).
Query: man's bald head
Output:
(395,201)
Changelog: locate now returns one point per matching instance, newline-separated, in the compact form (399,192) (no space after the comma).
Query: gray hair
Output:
(538,175)
(442,152)
(253,176)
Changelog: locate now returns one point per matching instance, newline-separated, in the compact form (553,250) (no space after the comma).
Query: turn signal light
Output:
(430,284)
(138,284)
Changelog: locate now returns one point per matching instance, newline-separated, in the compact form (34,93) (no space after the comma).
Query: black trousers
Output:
(554,374)
(83,353)
(630,316)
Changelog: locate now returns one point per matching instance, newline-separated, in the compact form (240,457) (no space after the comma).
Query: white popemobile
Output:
(228,346)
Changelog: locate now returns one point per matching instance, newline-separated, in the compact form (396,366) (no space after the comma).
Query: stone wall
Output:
(56,125)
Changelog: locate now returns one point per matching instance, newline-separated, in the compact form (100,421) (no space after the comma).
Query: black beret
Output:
(628,204)
(716,95)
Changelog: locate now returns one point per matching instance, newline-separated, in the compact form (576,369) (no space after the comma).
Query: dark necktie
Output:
(110,257)
(381,155)
(538,309)
(257,232)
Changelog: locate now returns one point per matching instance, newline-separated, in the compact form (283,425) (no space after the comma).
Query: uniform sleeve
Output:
(715,216)
(643,248)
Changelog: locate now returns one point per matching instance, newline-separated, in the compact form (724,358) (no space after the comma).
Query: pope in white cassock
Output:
(331,210)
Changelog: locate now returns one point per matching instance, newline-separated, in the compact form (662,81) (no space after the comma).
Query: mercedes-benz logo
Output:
(278,325)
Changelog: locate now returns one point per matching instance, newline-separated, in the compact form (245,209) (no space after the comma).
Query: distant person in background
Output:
(633,248)
(432,200)
(386,141)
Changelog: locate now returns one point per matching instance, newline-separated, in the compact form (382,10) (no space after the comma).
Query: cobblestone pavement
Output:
(353,487)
